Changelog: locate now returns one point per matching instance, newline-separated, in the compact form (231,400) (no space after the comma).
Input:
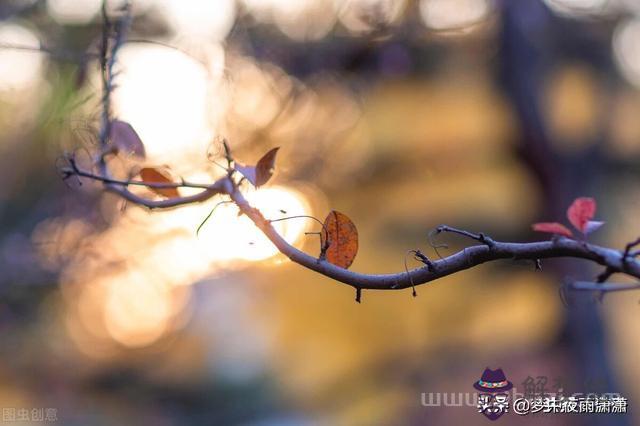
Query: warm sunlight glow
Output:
(453,14)
(19,69)
(137,310)
(134,307)
(164,94)
(227,237)
(73,11)
(156,257)
(200,18)
(576,7)
(305,19)
(360,16)
(626,46)
(299,20)
(255,101)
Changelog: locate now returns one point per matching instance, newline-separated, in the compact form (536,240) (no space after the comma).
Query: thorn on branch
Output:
(538,264)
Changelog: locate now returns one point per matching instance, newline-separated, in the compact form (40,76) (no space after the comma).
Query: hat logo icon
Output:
(493,400)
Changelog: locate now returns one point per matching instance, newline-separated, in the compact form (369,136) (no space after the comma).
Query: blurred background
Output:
(403,114)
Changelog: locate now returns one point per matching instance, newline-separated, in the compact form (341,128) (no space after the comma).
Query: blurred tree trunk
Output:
(526,60)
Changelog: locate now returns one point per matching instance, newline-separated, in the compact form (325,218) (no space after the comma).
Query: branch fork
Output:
(487,249)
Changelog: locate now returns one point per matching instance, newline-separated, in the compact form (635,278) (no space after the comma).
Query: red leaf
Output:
(580,212)
(552,228)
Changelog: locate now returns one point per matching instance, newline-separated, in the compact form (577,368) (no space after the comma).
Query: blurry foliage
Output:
(389,111)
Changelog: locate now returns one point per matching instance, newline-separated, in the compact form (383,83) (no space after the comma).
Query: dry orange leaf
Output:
(152,175)
(265,167)
(343,239)
(260,174)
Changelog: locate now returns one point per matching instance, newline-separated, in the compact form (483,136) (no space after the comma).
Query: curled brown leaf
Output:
(342,240)
(266,166)
(259,174)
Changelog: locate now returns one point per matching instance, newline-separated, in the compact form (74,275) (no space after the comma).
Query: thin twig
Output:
(73,170)
(301,216)
(627,250)
(431,238)
(211,213)
(480,237)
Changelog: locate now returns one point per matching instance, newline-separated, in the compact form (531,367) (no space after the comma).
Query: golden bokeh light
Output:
(227,236)
(211,20)
(361,16)
(130,283)
(625,128)
(19,69)
(137,310)
(257,94)
(73,11)
(299,20)
(573,105)
(165,95)
(402,114)
(444,15)
(577,7)
(626,48)
(304,19)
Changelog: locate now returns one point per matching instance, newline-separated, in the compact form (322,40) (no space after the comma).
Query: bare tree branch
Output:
(614,261)
(464,259)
